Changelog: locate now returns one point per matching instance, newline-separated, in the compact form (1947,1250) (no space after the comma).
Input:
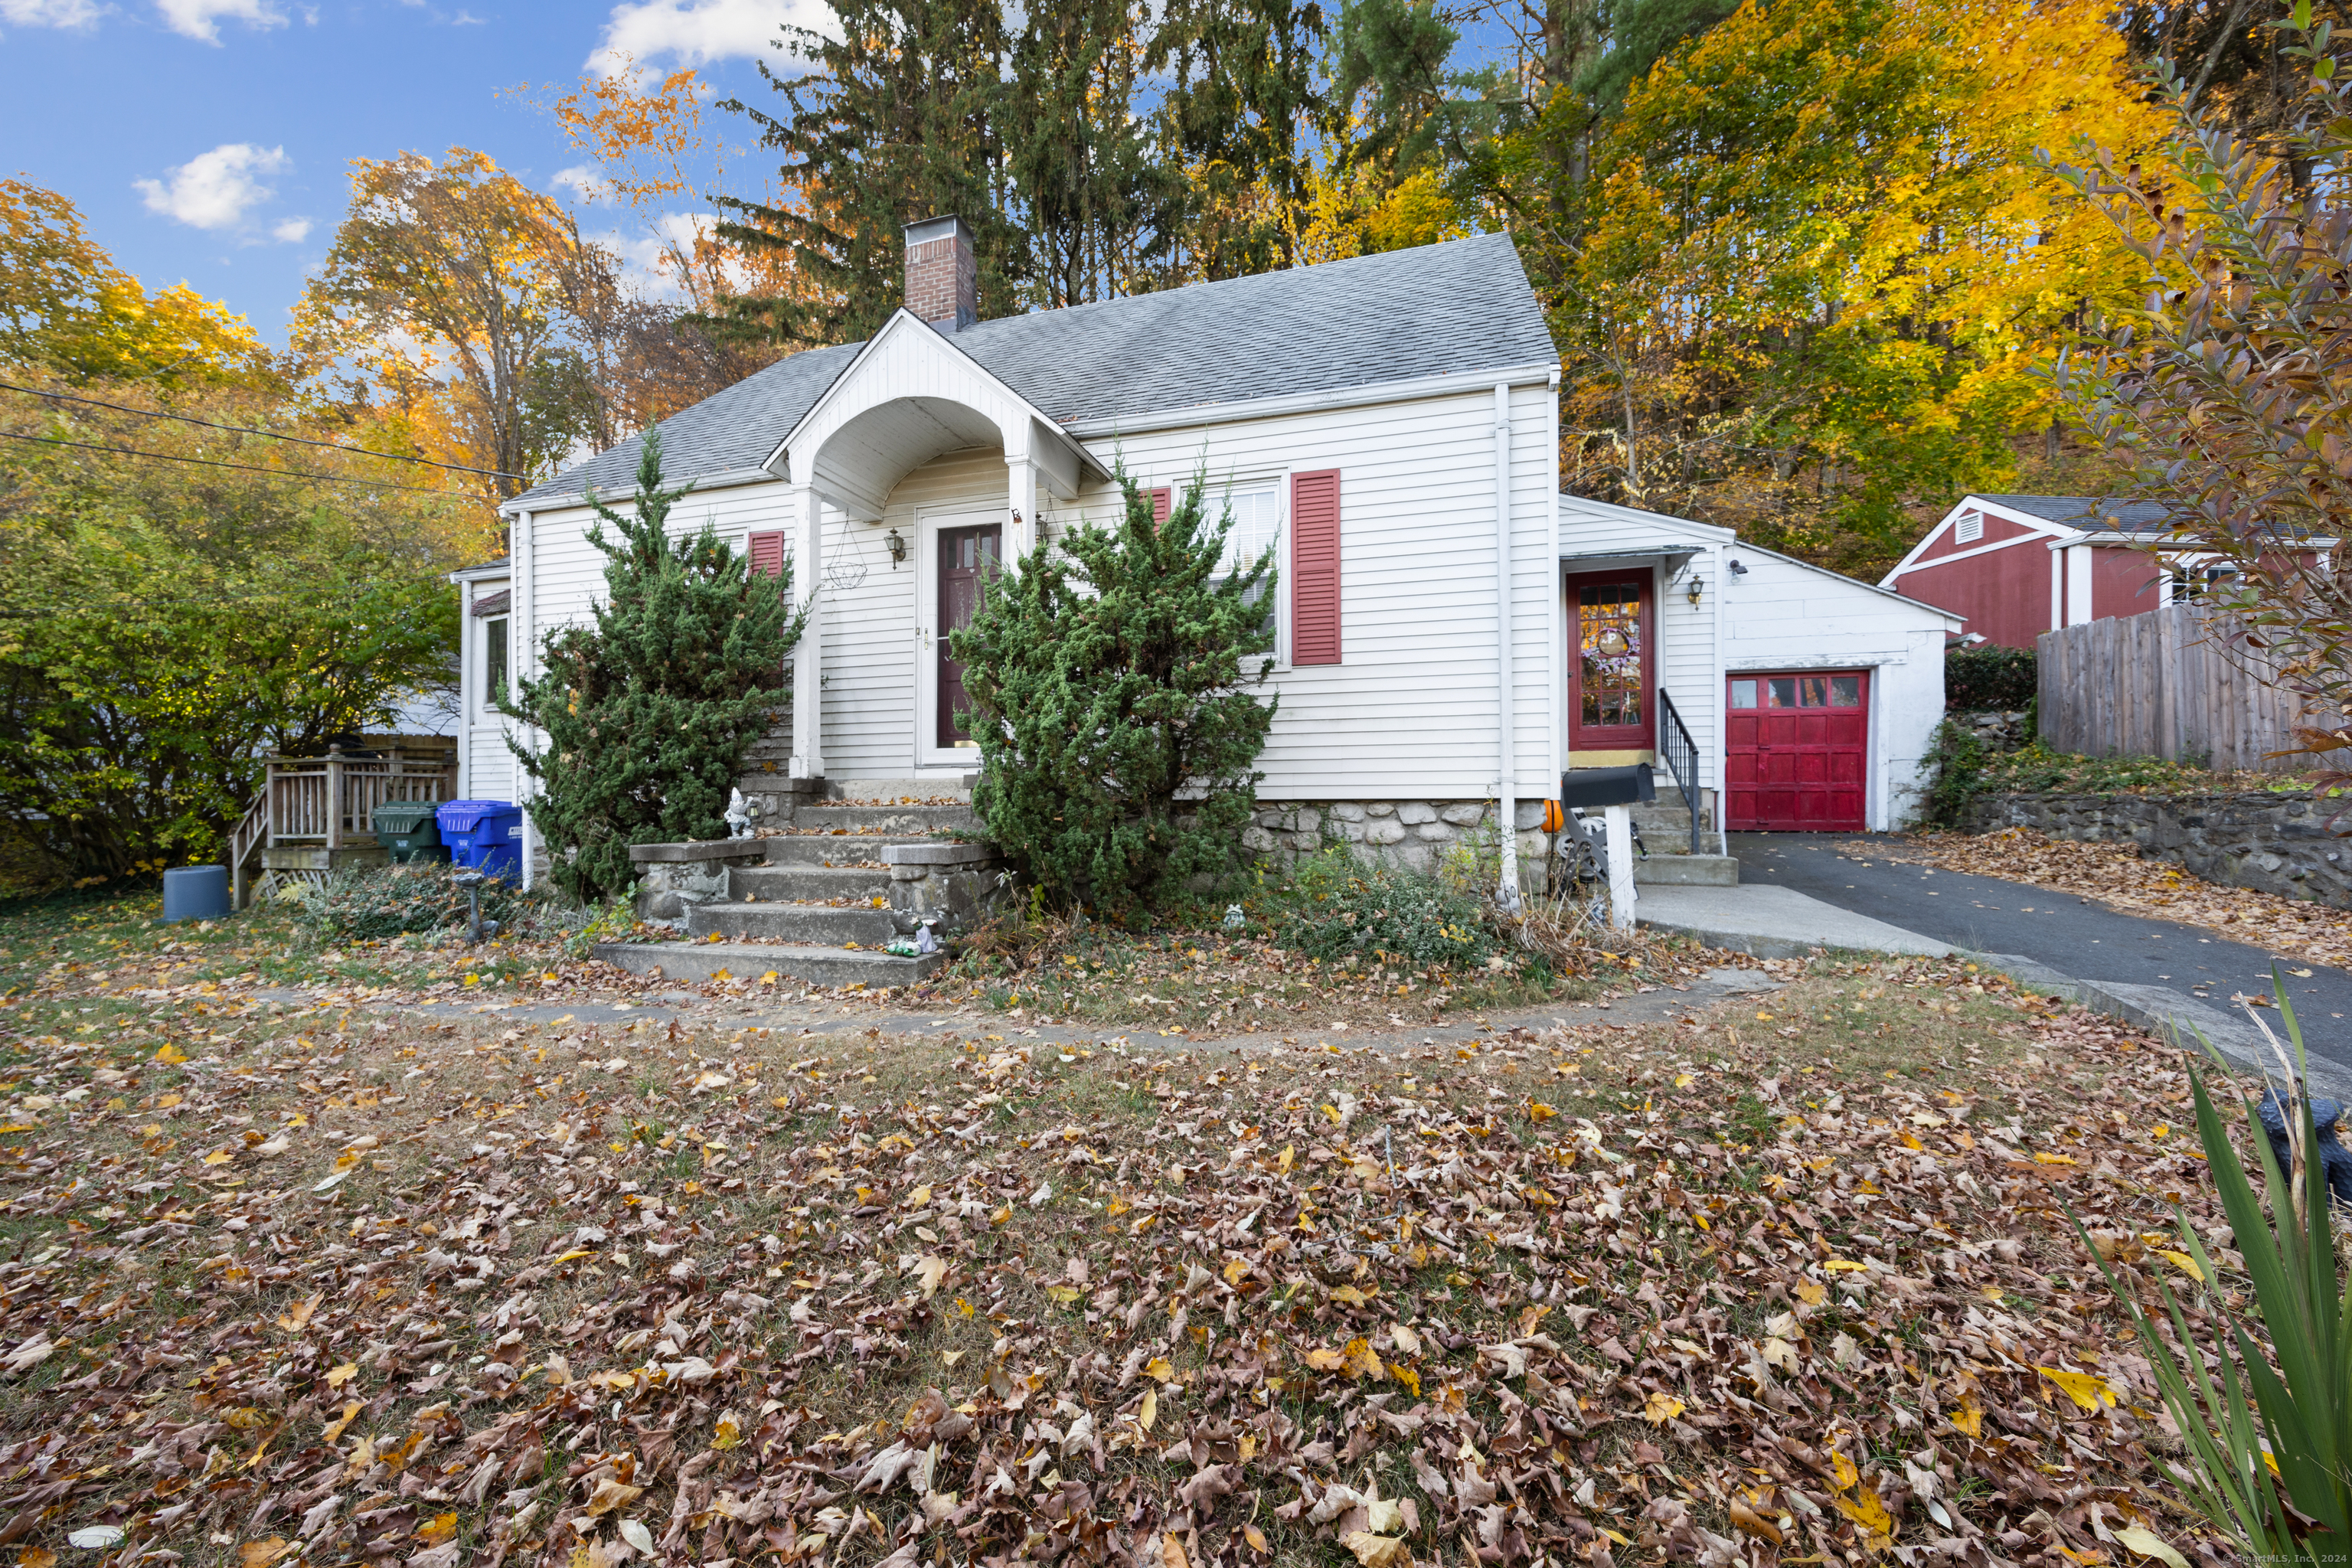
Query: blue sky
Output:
(208,139)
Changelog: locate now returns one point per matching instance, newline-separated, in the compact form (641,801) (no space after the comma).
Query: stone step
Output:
(807,884)
(859,818)
(1673,836)
(813,925)
(810,965)
(1686,871)
(833,848)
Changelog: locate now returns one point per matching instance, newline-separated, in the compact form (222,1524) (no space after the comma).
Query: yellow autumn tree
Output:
(1825,250)
(66,308)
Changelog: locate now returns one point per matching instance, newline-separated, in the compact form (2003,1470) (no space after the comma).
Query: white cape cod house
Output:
(1451,631)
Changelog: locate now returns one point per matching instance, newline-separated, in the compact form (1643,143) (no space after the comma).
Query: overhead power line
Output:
(247,430)
(249,467)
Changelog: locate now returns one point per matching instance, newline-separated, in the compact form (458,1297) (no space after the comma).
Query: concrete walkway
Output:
(1648,1004)
(1773,922)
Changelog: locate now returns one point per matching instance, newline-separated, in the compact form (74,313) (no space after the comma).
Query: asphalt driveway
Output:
(2067,932)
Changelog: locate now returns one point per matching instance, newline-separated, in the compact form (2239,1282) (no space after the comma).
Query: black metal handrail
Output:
(1680,753)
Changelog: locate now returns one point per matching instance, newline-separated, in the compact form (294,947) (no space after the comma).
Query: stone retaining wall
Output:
(1414,833)
(2275,843)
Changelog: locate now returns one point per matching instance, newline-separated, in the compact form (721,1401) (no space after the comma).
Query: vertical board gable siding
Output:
(1315,567)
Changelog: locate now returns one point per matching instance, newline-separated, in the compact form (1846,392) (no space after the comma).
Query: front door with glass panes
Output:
(967,558)
(1610,699)
(1797,751)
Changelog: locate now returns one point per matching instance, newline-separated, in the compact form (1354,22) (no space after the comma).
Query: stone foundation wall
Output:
(2273,843)
(1997,732)
(1414,833)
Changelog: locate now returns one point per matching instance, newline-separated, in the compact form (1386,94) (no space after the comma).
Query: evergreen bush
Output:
(649,711)
(1978,679)
(1110,682)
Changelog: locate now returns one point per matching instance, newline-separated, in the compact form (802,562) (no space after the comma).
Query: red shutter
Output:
(1159,499)
(767,553)
(1315,567)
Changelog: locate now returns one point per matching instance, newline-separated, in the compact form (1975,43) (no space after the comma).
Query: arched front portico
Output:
(909,396)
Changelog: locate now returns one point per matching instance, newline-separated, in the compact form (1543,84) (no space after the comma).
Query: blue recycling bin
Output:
(195,893)
(483,835)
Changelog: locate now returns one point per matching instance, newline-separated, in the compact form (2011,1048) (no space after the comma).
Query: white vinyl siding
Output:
(1411,713)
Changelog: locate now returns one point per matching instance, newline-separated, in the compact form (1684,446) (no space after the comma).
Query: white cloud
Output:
(293,231)
(693,31)
(80,14)
(200,19)
(215,189)
(585,182)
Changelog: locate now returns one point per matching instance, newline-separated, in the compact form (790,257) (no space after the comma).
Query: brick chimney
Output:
(942,273)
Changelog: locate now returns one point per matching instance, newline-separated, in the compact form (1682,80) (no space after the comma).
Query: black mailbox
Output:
(1608,787)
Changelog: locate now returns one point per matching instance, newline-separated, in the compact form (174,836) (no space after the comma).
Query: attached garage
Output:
(1802,700)
(1797,757)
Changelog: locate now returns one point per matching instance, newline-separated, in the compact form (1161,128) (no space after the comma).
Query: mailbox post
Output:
(1613,790)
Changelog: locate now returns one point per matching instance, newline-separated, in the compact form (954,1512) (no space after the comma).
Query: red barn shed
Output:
(2016,566)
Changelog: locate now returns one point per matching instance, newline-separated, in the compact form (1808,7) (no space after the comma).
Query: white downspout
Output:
(522,613)
(1506,803)
(466,695)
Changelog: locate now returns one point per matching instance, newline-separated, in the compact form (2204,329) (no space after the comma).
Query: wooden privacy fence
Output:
(2159,684)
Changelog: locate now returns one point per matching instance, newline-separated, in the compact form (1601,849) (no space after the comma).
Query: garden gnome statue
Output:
(2334,1160)
(741,814)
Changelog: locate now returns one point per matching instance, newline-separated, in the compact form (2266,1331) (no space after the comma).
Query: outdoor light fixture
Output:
(897,547)
(1738,570)
(1697,588)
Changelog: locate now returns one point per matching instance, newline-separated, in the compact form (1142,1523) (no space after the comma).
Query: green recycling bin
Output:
(409,829)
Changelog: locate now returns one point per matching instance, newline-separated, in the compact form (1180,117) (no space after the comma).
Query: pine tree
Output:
(897,122)
(648,712)
(1107,678)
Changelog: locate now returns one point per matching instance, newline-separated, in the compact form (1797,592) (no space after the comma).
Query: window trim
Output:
(1251,478)
(504,649)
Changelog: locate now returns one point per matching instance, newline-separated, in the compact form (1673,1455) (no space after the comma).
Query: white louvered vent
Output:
(1969,529)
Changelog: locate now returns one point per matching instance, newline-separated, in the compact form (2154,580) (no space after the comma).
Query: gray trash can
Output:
(195,893)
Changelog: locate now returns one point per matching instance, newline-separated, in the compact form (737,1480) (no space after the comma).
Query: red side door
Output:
(1797,751)
(1612,674)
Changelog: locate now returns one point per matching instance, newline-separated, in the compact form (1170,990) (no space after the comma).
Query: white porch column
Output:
(2078,584)
(1021,533)
(806,508)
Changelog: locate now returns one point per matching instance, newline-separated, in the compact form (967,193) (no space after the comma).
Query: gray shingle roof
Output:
(1438,310)
(2092,514)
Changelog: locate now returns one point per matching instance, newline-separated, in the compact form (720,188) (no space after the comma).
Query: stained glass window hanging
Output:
(1609,638)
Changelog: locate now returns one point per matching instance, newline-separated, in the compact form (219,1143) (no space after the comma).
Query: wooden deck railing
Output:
(330,802)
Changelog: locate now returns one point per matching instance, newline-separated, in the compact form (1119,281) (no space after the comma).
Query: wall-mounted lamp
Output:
(1697,587)
(1738,570)
(898,548)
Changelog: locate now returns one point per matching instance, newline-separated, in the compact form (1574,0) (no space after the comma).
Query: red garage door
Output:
(1798,749)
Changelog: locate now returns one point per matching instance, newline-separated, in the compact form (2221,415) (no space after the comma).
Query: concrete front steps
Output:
(1673,861)
(822,886)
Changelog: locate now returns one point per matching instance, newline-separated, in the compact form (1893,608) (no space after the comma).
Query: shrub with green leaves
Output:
(1978,680)
(1335,904)
(1112,688)
(650,711)
(404,900)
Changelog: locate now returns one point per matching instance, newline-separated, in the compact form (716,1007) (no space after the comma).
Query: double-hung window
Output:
(494,662)
(1257,512)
